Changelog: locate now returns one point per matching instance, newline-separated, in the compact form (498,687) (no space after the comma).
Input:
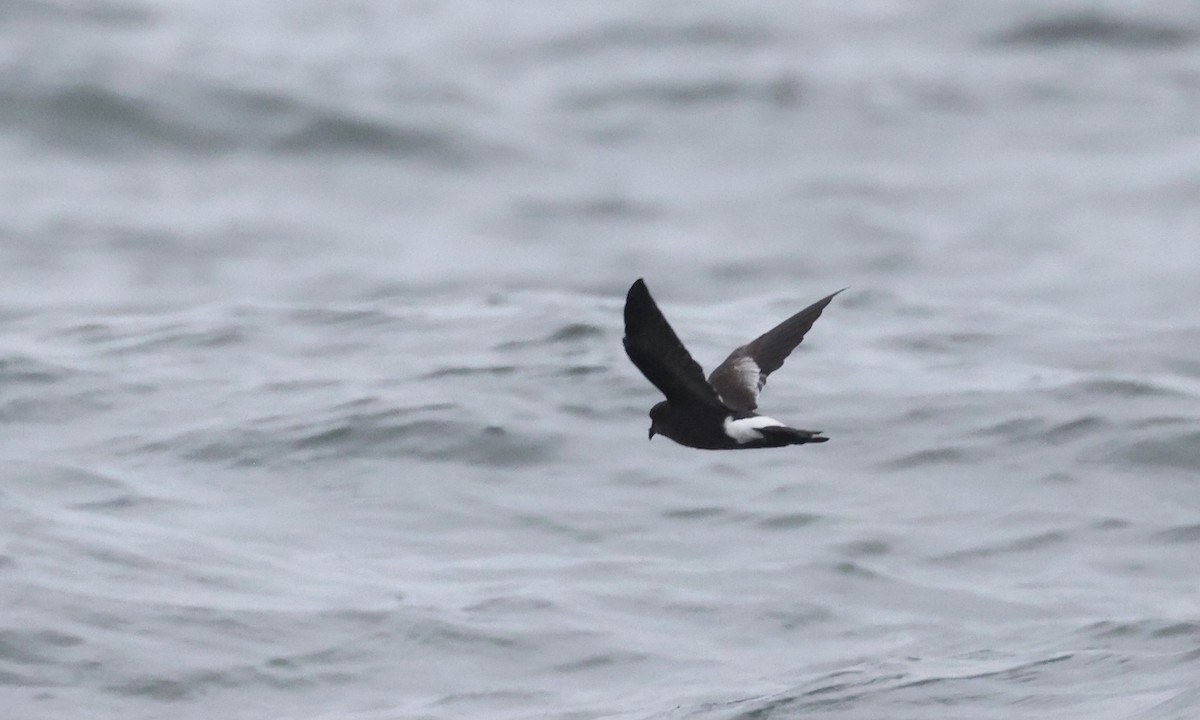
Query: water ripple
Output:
(1095,28)
(1180,452)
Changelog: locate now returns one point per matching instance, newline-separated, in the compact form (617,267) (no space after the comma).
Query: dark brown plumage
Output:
(717,413)
(739,382)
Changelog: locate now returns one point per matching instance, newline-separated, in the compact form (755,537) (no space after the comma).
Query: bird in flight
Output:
(717,413)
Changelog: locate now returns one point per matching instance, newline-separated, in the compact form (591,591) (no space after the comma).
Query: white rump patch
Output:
(747,429)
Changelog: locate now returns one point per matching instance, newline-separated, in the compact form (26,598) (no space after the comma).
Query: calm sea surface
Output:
(313,403)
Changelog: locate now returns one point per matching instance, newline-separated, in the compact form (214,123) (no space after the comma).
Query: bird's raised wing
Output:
(742,376)
(656,350)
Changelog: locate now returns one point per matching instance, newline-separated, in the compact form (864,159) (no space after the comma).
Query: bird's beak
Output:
(651,437)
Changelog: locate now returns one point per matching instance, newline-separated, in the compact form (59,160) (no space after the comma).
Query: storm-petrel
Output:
(718,413)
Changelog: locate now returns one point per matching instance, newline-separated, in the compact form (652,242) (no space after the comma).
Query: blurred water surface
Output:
(314,403)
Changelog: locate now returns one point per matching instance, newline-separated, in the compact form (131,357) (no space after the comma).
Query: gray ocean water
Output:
(313,403)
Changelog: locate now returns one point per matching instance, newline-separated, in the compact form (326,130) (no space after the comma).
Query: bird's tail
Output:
(791,436)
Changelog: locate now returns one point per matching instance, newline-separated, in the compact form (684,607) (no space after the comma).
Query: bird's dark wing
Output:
(742,376)
(653,346)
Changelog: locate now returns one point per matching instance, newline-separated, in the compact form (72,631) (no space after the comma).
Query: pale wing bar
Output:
(742,376)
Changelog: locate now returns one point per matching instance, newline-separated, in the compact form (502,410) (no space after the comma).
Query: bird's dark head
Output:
(658,415)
